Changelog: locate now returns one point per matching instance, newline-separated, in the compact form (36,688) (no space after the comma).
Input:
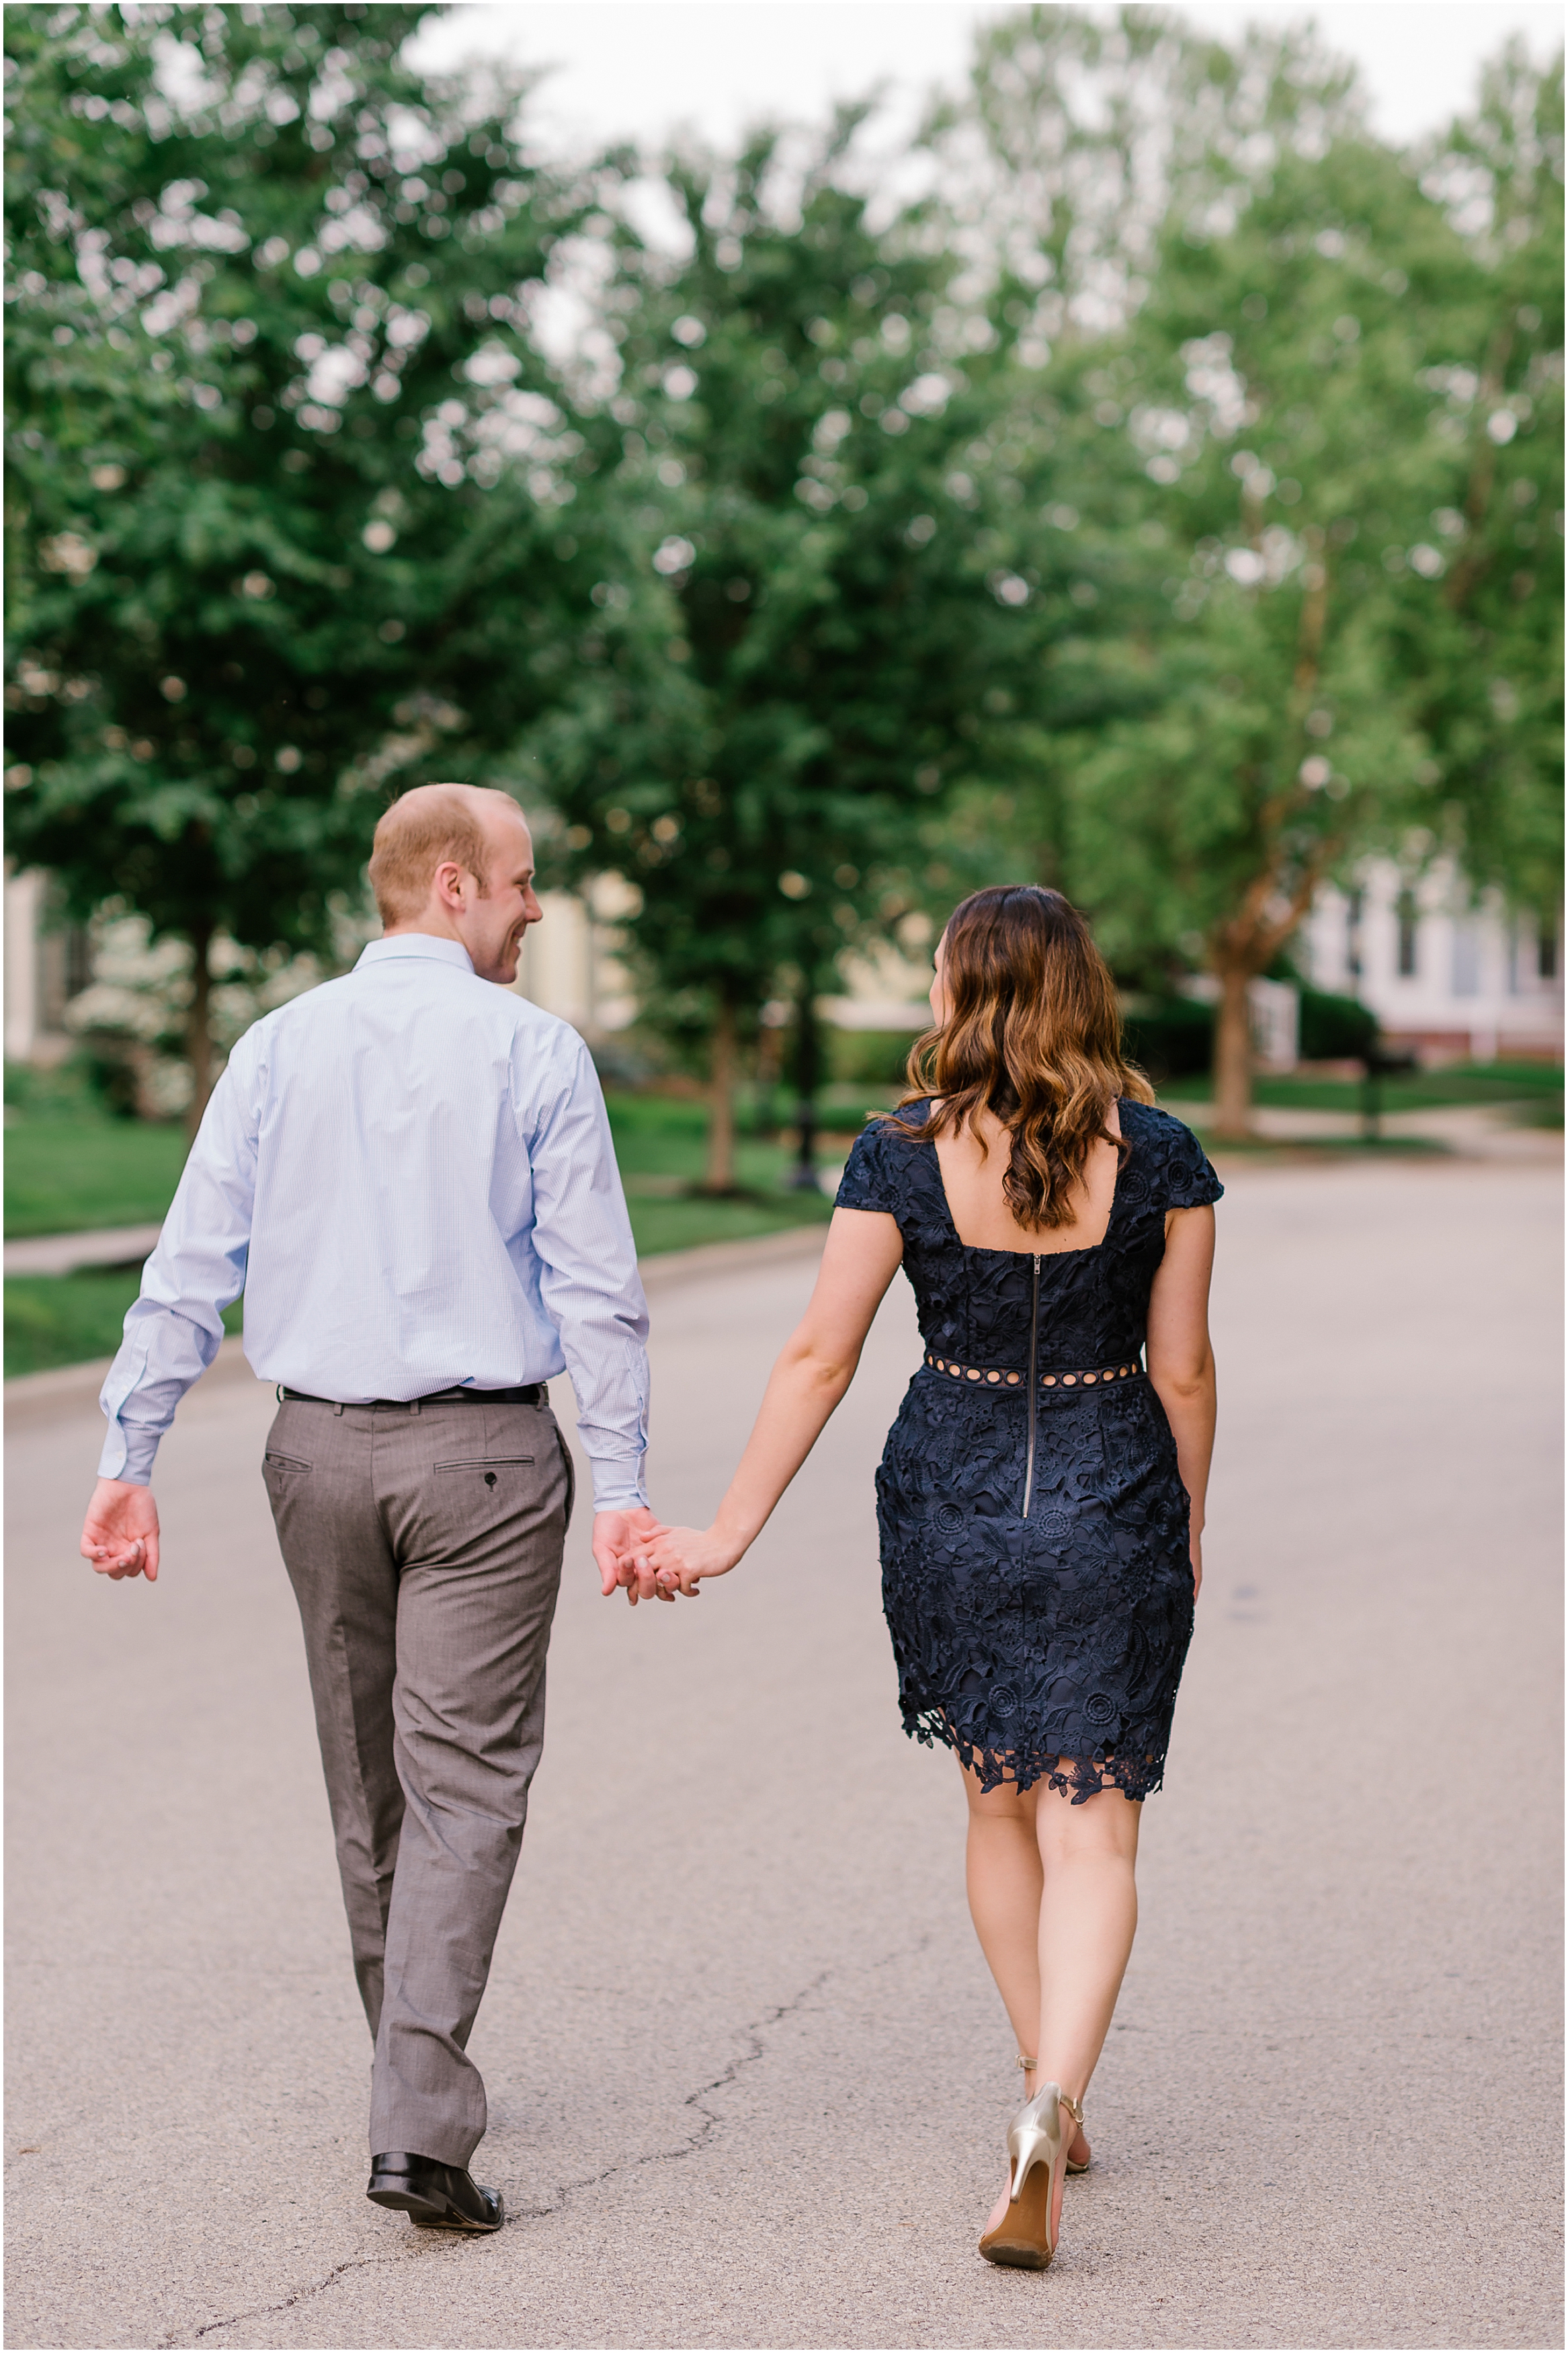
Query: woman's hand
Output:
(681,1558)
(815,1368)
(1197,1550)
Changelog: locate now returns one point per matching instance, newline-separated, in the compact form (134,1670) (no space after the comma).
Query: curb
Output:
(73,1385)
(34,1395)
(710,1260)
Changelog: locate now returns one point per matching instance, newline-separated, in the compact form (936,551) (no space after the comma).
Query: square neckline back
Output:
(991,1249)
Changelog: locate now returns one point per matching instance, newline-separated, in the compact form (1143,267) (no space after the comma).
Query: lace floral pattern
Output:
(1051,1646)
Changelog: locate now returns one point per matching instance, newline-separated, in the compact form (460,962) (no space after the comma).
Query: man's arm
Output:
(174,1328)
(591,1291)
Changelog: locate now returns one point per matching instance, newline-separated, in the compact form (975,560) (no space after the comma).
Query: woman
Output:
(1041,1497)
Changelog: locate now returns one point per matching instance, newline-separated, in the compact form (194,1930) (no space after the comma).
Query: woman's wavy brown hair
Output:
(1033,1034)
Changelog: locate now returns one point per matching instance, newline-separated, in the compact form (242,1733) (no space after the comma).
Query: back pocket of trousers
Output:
(488,1462)
(487,1465)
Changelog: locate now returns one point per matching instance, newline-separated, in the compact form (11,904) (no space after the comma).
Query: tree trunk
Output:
(198,1033)
(802,1177)
(1233,1058)
(718,1176)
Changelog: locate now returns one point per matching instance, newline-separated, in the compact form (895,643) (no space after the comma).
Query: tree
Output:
(1327,374)
(1485,666)
(839,597)
(283,458)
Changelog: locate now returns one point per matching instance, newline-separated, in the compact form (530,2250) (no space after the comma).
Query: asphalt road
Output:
(749,2080)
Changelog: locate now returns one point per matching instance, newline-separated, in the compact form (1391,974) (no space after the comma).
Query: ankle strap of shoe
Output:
(1030,2067)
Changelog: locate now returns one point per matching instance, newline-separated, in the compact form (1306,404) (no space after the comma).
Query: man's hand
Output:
(120,1535)
(618,1539)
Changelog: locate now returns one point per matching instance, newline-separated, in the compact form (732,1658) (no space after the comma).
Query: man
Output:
(409,1173)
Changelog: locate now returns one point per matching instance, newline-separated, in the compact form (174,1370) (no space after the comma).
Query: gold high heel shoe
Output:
(1029,2067)
(1037,2146)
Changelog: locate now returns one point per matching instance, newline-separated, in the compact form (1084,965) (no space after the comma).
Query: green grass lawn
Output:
(68,1319)
(1537,1084)
(68,1176)
(661,1143)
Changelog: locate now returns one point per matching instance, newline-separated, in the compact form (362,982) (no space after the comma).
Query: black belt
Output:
(535,1393)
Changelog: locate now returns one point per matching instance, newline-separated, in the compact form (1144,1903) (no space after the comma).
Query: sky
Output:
(641,69)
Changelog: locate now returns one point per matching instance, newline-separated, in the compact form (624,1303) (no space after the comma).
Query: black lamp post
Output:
(1377,1064)
(802,1177)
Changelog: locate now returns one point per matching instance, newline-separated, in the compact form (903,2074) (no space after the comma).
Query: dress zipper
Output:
(1033,1394)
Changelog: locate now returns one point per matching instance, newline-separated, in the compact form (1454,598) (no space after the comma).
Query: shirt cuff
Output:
(128,1454)
(619,1484)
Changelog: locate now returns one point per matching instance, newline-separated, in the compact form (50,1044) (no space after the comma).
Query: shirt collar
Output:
(424,945)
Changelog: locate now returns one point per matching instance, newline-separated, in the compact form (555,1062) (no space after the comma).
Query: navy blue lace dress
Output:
(1036,1574)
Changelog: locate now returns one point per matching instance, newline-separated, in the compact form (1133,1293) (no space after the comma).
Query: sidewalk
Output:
(1467,1131)
(64,1253)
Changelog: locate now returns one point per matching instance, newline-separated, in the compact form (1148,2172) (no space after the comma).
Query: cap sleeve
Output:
(1189,1181)
(868,1181)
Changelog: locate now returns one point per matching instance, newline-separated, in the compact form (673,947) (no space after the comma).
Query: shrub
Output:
(1334,1029)
(1170,1039)
(867,1057)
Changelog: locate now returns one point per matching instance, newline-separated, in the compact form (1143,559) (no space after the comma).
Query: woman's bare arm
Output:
(814,1370)
(1180,1360)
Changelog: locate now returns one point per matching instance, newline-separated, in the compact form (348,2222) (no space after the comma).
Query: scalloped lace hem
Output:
(1078,1778)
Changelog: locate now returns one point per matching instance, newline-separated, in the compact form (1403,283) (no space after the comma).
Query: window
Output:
(1547,949)
(1354,903)
(1408,918)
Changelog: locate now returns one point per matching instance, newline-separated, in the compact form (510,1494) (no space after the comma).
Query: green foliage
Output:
(1340,369)
(1170,1038)
(869,1058)
(1333,1029)
(65,1091)
(839,599)
(1484,667)
(1166,512)
(1309,386)
(270,388)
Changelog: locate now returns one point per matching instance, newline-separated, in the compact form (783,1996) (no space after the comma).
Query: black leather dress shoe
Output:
(437,2196)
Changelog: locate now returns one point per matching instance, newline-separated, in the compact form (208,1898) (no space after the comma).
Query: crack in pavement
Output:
(753,2032)
(692,2100)
(300,2295)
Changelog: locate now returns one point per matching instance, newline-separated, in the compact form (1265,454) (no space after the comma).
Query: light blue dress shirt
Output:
(408,1172)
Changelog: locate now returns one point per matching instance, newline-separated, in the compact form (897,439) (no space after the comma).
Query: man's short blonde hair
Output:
(422,830)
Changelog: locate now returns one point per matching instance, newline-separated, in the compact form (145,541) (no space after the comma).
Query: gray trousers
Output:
(424,1546)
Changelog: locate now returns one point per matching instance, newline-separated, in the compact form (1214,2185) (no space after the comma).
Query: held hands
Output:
(620,1539)
(120,1535)
(653,1562)
(681,1558)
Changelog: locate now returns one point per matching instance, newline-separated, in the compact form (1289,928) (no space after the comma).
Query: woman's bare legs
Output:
(1055,1904)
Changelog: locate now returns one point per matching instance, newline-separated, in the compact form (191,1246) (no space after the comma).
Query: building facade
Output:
(1451,976)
